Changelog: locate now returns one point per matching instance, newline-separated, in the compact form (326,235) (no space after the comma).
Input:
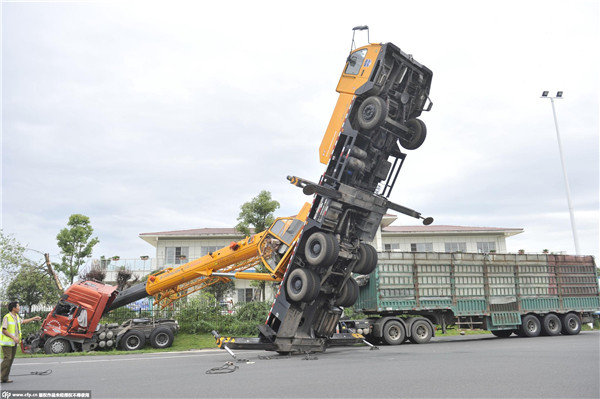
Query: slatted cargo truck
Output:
(527,295)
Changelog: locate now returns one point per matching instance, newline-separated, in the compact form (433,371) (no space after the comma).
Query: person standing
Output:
(11,337)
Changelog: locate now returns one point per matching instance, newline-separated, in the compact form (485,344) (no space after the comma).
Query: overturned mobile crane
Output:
(382,93)
(75,322)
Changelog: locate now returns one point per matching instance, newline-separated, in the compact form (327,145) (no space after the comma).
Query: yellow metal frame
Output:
(172,284)
(347,87)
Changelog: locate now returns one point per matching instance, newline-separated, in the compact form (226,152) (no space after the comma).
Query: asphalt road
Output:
(479,366)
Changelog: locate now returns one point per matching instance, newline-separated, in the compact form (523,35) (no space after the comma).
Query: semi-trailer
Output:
(409,293)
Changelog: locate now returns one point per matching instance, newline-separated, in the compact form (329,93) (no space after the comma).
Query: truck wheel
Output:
(57,345)
(502,333)
(321,249)
(421,332)
(161,338)
(133,340)
(571,324)
(372,113)
(300,285)
(367,259)
(417,135)
(349,294)
(393,333)
(551,325)
(530,327)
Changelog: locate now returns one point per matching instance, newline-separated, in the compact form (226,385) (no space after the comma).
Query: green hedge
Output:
(193,317)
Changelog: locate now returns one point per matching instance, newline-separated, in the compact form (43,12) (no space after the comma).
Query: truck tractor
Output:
(74,325)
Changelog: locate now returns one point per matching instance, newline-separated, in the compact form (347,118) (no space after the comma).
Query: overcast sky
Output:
(153,116)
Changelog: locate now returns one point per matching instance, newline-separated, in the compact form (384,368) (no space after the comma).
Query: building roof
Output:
(195,232)
(152,238)
(445,229)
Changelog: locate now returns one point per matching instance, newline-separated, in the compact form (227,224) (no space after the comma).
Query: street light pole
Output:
(564,169)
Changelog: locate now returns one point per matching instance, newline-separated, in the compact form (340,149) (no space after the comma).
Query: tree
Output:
(220,289)
(257,213)
(31,286)
(12,256)
(76,244)
(21,278)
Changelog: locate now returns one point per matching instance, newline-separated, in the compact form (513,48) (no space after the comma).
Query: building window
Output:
(205,250)
(455,247)
(421,247)
(391,247)
(486,247)
(245,294)
(176,255)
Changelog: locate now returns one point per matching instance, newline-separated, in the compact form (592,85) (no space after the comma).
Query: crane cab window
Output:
(355,61)
(291,232)
(286,229)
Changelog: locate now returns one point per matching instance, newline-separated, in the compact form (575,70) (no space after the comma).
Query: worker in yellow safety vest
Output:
(11,337)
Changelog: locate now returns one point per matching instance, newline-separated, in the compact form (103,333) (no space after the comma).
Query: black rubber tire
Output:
(372,113)
(321,249)
(571,324)
(418,133)
(349,294)
(367,259)
(162,338)
(300,285)
(133,340)
(393,333)
(56,345)
(530,326)
(551,325)
(315,284)
(375,256)
(421,332)
(502,333)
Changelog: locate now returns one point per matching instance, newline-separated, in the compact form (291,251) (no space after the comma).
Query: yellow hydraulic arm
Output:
(271,248)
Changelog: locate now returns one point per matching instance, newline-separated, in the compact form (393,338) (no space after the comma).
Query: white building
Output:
(173,248)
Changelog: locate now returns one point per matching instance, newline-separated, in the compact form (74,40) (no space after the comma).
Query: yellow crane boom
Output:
(271,248)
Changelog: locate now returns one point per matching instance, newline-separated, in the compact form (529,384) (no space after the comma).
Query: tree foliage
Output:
(32,286)
(12,256)
(257,213)
(76,244)
(95,274)
(21,278)
(220,289)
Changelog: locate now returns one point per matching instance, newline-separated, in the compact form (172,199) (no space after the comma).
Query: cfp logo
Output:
(6,394)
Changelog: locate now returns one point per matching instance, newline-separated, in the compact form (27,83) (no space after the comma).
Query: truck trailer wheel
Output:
(571,324)
(161,338)
(321,249)
(372,113)
(393,333)
(551,325)
(421,332)
(133,340)
(57,345)
(530,327)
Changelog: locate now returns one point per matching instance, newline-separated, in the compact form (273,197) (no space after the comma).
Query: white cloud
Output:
(148,116)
